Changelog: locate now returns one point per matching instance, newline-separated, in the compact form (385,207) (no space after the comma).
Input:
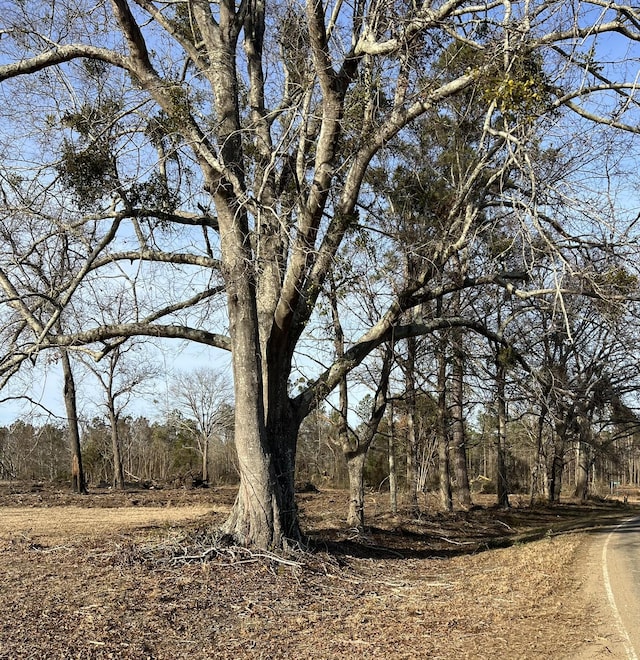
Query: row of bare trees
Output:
(159,453)
(398,451)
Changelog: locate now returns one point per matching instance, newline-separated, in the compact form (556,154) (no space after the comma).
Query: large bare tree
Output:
(232,143)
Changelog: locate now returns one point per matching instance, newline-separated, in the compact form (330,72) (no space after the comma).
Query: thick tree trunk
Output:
(355,468)
(265,514)
(458,440)
(412,448)
(78,483)
(583,470)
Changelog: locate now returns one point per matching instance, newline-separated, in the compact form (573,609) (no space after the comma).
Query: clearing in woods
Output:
(139,575)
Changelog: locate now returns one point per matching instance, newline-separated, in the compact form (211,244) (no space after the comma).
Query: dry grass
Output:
(103,582)
(50,525)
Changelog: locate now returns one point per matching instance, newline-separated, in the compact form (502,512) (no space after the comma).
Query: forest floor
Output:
(139,575)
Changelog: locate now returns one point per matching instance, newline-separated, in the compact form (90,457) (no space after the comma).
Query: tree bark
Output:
(539,482)
(502,482)
(583,469)
(459,448)
(78,483)
(556,468)
(393,476)
(355,467)
(355,445)
(265,513)
(205,459)
(446,494)
(118,471)
(412,448)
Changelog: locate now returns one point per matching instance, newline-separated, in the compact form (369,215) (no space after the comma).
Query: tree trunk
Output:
(355,448)
(539,482)
(78,483)
(459,449)
(412,448)
(118,472)
(265,513)
(393,476)
(557,465)
(446,495)
(355,468)
(583,469)
(205,460)
(502,483)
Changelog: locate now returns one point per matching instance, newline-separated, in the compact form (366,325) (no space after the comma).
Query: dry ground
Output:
(120,576)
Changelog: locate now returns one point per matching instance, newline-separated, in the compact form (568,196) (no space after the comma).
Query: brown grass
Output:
(102,577)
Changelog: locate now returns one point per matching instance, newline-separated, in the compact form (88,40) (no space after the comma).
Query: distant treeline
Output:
(167,452)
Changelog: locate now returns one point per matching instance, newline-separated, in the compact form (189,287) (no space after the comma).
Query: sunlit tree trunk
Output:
(446,494)
(355,468)
(205,459)
(412,448)
(264,513)
(458,441)
(70,402)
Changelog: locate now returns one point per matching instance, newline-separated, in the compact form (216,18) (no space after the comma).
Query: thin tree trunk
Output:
(393,476)
(205,460)
(502,483)
(118,472)
(78,483)
(557,464)
(355,448)
(539,481)
(583,468)
(555,487)
(446,494)
(355,445)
